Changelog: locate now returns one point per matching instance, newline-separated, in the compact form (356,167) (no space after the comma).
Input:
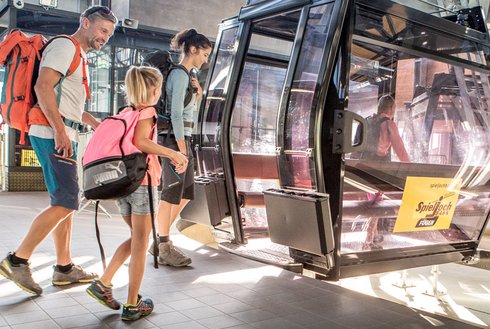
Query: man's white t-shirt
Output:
(58,56)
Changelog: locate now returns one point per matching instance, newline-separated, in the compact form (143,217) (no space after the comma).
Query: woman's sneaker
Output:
(169,255)
(103,294)
(134,312)
(151,249)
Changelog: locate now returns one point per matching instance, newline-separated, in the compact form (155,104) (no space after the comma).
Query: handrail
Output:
(3,158)
(437,6)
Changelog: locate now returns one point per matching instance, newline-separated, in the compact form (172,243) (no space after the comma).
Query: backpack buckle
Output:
(73,124)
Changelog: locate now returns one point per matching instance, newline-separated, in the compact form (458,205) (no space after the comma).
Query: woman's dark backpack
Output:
(162,60)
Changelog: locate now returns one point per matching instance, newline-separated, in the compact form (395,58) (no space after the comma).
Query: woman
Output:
(388,137)
(177,190)
(388,131)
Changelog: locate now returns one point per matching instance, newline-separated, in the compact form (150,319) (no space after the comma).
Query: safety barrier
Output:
(3,158)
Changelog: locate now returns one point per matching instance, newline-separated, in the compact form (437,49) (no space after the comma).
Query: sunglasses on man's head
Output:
(103,9)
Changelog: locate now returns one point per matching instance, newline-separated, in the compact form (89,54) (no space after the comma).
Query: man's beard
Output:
(95,45)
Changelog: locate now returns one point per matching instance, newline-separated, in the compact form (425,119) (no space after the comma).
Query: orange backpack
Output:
(21,55)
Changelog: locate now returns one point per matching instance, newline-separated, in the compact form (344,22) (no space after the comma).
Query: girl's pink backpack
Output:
(112,165)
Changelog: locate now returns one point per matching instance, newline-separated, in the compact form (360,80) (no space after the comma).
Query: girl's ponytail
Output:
(140,80)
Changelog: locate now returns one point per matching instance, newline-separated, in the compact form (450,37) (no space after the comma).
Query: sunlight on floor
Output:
(417,292)
(198,235)
(253,275)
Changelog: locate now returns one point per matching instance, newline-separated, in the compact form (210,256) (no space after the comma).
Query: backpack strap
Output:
(97,233)
(187,98)
(153,229)
(152,206)
(77,58)
(85,79)
(34,57)
(381,121)
(188,95)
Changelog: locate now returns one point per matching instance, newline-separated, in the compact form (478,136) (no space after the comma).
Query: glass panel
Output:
(302,173)
(399,31)
(123,59)
(253,124)
(215,101)
(265,45)
(439,118)
(99,104)
(300,116)
(254,117)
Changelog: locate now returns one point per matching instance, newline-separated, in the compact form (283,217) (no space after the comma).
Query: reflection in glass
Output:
(297,169)
(123,59)
(253,128)
(99,103)
(215,100)
(254,117)
(396,30)
(443,120)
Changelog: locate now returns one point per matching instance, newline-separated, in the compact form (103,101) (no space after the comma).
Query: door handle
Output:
(343,141)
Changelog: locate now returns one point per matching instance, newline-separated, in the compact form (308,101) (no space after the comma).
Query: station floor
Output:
(221,290)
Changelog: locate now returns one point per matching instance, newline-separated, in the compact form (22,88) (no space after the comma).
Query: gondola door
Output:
(254,113)
(211,204)
(300,213)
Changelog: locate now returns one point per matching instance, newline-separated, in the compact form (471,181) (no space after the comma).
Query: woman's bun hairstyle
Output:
(186,39)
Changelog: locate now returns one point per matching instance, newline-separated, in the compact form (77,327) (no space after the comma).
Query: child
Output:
(143,88)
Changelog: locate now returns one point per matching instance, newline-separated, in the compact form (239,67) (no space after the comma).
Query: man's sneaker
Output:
(103,294)
(76,275)
(169,255)
(21,275)
(134,312)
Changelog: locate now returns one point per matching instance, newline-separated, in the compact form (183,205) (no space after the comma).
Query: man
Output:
(61,99)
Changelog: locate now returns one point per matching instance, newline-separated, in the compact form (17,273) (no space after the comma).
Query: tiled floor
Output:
(219,290)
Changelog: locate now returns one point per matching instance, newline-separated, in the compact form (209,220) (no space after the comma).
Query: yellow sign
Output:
(29,159)
(428,203)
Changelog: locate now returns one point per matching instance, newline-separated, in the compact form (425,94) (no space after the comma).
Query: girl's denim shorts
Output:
(138,202)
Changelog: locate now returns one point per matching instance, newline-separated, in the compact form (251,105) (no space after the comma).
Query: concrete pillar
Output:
(174,16)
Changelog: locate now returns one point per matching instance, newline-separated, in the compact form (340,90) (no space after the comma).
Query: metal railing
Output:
(3,159)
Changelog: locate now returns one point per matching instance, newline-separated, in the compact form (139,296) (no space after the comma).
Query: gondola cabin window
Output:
(440,91)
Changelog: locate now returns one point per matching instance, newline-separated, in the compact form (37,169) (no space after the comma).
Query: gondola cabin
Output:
(285,124)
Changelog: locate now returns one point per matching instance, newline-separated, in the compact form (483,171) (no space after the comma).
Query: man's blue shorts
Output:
(60,174)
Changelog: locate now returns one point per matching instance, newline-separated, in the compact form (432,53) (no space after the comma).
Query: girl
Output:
(388,137)
(143,88)
(388,132)
(196,49)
